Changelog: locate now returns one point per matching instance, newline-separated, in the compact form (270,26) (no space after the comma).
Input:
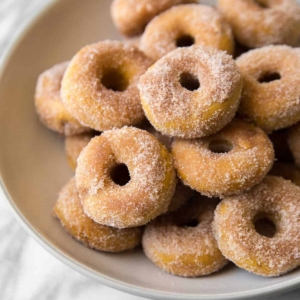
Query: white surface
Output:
(27,271)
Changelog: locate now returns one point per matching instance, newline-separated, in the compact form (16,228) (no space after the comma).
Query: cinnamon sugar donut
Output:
(228,162)
(270,253)
(186,25)
(100,85)
(49,107)
(74,145)
(294,142)
(110,197)
(69,211)
(263,22)
(208,81)
(271,92)
(182,243)
(287,171)
(132,16)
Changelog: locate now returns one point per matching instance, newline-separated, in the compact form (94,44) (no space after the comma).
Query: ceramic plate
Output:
(33,166)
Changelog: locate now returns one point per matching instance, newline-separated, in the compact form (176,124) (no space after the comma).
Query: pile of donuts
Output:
(173,133)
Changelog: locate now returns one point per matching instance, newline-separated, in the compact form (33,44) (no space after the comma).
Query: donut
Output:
(228,162)
(271,92)
(182,243)
(282,151)
(286,170)
(240,237)
(186,25)
(100,85)
(131,16)
(263,22)
(294,142)
(125,178)
(74,145)
(182,194)
(207,79)
(69,211)
(48,103)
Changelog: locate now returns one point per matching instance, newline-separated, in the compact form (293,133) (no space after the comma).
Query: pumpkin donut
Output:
(69,211)
(263,22)
(125,178)
(228,162)
(242,239)
(294,142)
(271,92)
(182,243)
(100,85)
(131,16)
(48,103)
(206,78)
(186,25)
(74,145)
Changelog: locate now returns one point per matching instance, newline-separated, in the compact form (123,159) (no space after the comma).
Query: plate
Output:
(33,166)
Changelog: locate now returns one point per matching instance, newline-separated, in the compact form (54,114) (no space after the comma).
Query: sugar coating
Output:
(287,170)
(131,16)
(174,110)
(255,26)
(182,250)
(293,139)
(145,196)
(89,100)
(48,103)
(276,104)
(201,22)
(74,145)
(249,159)
(69,211)
(238,240)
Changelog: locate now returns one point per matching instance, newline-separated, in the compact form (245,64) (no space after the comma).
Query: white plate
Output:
(33,166)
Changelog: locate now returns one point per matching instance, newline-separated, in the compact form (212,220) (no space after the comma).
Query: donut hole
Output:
(120,175)
(189,223)
(264,225)
(269,77)
(185,40)
(189,81)
(114,79)
(261,4)
(220,146)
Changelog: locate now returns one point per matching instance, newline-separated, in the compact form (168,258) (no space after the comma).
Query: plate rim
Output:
(20,33)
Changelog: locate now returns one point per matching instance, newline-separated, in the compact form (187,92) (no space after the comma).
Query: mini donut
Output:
(228,162)
(100,85)
(182,243)
(294,142)
(131,16)
(186,25)
(207,79)
(263,22)
(69,211)
(74,145)
(279,139)
(271,92)
(48,103)
(288,171)
(182,194)
(240,238)
(125,178)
